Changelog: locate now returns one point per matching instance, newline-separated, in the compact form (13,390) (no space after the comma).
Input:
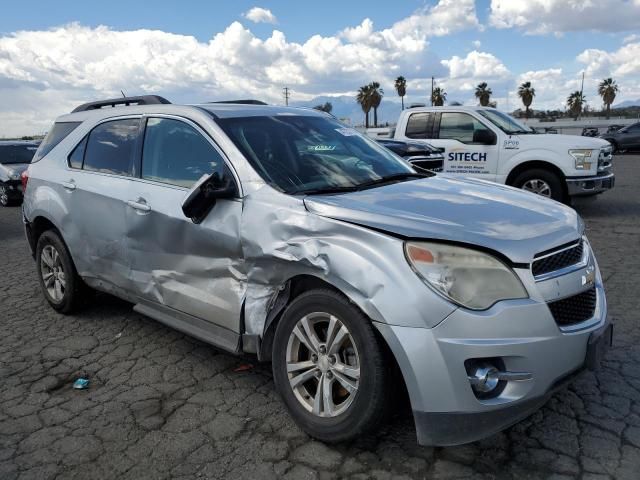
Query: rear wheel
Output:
(59,280)
(4,196)
(329,367)
(541,182)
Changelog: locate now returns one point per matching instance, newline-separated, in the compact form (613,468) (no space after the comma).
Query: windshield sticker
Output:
(321,148)
(511,144)
(347,132)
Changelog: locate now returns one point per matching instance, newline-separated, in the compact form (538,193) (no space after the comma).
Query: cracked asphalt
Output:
(163,405)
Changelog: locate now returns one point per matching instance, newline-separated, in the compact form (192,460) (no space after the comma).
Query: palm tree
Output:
(607,90)
(483,94)
(526,92)
(376,97)
(438,97)
(575,101)
(364,99)
(401,88)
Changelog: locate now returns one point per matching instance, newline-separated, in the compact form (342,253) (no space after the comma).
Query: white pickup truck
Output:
(486,143)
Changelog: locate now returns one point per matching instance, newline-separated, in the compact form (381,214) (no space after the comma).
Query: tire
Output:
(542,182)
(5,201)
(354,414)
(63,286)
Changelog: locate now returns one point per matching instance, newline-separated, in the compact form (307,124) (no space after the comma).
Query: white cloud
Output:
(631,38)
(558,16)
(260,15)
(476,44)
(446,17)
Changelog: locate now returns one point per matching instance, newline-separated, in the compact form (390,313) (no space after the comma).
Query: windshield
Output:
(304,154)
(17,153)
(504,122)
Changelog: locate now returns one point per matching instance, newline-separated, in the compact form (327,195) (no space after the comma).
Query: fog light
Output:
(484,378)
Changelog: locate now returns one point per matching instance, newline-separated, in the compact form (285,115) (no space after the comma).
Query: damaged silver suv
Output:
(282,233)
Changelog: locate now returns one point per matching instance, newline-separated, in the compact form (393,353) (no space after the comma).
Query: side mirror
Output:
(484,137)
(203,195)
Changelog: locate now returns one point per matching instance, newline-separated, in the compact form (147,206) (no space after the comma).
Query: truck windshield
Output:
(506,123)
(300,154)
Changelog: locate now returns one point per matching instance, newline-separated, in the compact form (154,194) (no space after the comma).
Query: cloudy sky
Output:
(55,55)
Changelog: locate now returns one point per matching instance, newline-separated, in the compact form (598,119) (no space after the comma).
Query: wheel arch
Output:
(537,164)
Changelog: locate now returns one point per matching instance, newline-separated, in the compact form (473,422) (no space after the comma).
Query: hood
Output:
(512,222)
(12,169)
(561,141)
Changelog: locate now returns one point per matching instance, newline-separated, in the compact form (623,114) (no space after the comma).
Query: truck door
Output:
(470,147)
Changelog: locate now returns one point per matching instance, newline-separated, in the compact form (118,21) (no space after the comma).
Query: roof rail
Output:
(242,102)
(112,102)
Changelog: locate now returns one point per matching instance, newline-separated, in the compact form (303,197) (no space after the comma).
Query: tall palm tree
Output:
(376,97)
(526,92)
(607,89)
(483,94)
(364,99)
(438,97)
(575,101)
(401,88)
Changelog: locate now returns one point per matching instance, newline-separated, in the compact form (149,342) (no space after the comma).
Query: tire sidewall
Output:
(554,182)
(51,238)
(356,416)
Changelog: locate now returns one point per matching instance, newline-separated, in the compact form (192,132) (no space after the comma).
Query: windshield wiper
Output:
(317,191)
(396,177)
(517,132)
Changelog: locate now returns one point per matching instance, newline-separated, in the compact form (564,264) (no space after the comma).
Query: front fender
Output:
(282,240)
(539,155)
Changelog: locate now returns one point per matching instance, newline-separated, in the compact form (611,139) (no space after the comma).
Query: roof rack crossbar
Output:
(242,102)
(113,102)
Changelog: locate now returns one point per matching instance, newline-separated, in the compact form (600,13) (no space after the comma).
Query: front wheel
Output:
(329,367)
(541,182)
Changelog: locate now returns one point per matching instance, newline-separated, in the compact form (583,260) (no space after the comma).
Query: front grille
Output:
(556,261)
(575,309)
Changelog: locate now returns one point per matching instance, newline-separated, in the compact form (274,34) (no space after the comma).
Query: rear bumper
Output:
(590,185)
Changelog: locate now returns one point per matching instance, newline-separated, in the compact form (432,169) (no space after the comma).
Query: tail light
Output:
(24,177)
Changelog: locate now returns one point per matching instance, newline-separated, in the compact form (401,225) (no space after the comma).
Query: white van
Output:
(486,143)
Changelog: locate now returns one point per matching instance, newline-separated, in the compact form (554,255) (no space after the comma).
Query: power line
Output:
(286,93)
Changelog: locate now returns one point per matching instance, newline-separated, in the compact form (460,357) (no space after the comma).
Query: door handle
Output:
(139,205)
(70,185)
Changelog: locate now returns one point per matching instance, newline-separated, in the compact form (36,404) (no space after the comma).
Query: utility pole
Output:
(432,91)
(286,93)
(581,90)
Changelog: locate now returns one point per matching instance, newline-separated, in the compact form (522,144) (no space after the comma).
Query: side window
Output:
(111,147)
(417,125)
(460,126)
(176,153)
(77,155)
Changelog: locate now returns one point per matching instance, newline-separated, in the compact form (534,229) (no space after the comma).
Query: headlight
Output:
(467,277)
(583,158)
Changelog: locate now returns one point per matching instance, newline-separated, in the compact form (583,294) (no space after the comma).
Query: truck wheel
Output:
(329,367)
(4,196)
(58,278)
(541,182)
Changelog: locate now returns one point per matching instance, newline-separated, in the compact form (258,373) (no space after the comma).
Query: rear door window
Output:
(418,125)
(459,126)
(111,147)
(174,152)
(57,133)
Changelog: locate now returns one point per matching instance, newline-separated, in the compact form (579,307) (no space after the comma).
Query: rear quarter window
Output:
(58,132)
(417,125)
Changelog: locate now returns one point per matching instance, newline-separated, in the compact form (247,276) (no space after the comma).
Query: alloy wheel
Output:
(323,365)
(53,275)
(537,186)
(4,197)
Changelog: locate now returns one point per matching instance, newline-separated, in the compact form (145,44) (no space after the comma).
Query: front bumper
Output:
(522,333)
(578,186)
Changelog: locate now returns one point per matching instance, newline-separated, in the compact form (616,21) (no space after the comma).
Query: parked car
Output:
(14,159)
(282,233)
(485,143)
(626,138)
(613,128)
(419,154)
(590,132)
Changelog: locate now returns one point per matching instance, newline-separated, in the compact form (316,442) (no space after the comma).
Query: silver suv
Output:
(281,232)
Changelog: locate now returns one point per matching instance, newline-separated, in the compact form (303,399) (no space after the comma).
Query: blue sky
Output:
(58,47)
